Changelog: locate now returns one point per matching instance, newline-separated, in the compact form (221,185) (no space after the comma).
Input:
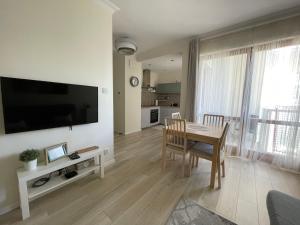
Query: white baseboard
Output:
(15,205)
(9,208)
(130,132)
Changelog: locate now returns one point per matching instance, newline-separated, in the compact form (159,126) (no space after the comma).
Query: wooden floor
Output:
(135,191)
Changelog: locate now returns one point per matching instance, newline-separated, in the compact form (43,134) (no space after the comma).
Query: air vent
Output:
(125,46)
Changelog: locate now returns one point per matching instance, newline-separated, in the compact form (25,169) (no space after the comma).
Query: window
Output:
(221,83)
(258,90)
(275,99)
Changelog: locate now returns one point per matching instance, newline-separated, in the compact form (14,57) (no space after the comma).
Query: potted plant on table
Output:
(29,158)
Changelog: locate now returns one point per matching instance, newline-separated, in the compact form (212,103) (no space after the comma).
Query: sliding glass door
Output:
(258,90)
(219,90)
(271,128)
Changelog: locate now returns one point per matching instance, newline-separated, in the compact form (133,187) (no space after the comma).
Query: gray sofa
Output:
(283,209)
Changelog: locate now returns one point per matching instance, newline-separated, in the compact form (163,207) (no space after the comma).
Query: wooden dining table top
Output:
(204,133)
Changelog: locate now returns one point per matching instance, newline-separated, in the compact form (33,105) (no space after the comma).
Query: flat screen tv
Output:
(34,105)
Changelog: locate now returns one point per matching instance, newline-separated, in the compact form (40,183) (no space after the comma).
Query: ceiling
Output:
(167,63)
(157,22)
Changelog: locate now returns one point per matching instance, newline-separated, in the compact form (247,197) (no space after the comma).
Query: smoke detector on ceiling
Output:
(125,46)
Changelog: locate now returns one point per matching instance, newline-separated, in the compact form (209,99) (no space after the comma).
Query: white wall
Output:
(127,99)
(62,41)
(133,95)
(169,77)
(119,92)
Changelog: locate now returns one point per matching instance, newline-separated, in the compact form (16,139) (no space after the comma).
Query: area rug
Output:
(188,212)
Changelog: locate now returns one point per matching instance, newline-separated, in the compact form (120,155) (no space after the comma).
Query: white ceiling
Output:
(157,22)
(167,63)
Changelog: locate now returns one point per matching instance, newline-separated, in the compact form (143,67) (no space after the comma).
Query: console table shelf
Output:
(57,182)
(25,178)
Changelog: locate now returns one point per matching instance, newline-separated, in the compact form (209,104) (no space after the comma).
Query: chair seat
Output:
(283,209)
(190,144)
(203,148)
(206,150)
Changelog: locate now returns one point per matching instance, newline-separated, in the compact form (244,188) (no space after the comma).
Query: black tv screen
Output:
(34,105)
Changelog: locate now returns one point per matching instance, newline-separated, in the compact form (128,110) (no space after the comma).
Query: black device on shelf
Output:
(71,174)
(74,155)
(33,105)
(40,182)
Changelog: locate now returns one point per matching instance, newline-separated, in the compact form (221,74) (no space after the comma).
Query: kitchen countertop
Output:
(164,106)
(150,106)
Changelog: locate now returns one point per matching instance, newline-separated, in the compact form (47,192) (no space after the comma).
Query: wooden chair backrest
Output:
(224,134)
(175,132)
(176,115)
(213,120)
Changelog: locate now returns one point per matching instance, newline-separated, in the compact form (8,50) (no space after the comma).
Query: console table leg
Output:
(101,166)
(24,203)
(97,163)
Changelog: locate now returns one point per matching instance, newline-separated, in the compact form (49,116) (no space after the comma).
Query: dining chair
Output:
(206,151)
(210,120)
(213,120)
(175,140)
(176,115)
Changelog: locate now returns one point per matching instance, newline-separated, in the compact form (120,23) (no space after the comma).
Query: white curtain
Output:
(257,89)
(272,122)
(219,89)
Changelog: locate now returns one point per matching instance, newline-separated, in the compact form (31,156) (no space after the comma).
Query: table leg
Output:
(190,164)
(24,203)
(163,151)
(101,166)
(214,166)
(183,164)
(219,170)
(193,159)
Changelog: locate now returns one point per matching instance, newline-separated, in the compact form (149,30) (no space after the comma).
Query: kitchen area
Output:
(161,87)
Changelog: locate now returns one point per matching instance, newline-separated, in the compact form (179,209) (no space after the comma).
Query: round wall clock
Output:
(134,81)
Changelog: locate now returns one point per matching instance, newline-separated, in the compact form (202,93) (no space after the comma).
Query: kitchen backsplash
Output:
(148,99)
(168,99)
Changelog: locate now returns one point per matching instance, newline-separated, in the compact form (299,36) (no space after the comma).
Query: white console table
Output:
(27,193)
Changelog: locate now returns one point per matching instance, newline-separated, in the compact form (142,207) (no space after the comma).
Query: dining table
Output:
(206,134)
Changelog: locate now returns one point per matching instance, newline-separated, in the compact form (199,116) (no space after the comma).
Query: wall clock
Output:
(134,81)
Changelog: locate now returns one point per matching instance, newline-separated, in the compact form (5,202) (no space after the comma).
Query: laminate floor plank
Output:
(135,191)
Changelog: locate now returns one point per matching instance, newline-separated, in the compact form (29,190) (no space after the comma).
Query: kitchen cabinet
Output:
(166,112)
(146,78)
(169,88)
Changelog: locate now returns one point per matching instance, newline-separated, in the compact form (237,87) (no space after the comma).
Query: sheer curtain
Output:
(257,89)
(271,130)
(219,89)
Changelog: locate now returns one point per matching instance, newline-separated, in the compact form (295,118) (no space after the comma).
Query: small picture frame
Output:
(55,152)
